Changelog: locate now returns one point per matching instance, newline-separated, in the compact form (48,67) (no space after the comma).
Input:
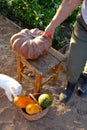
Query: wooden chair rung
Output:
(50,62)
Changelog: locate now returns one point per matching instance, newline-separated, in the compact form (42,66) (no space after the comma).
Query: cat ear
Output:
(12,91)
(48,34)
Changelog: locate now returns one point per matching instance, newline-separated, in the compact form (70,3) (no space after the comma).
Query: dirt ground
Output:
(72,116)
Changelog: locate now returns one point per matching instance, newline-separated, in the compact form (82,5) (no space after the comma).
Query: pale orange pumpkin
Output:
(31,43)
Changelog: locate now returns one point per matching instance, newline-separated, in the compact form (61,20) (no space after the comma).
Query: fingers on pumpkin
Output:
(48,35)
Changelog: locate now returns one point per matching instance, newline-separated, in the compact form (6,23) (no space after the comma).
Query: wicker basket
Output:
(36,116)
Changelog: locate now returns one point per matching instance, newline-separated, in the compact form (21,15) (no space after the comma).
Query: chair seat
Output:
(50,61)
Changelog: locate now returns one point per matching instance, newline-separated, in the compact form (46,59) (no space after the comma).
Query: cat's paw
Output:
(10,98)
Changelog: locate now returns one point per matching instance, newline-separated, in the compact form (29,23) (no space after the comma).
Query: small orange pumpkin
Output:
(23,101)
(33,108)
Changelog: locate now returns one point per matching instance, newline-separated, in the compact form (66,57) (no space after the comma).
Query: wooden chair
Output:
(50,62)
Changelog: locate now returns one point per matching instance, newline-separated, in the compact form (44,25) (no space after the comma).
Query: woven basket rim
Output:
(36,116)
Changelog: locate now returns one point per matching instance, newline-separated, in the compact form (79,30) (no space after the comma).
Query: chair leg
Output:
(56,71)
(19,68)
(38,82)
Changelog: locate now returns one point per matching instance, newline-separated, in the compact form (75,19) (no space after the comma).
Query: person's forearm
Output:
(64,10)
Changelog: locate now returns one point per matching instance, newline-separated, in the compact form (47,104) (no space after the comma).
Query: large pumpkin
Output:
(31,43)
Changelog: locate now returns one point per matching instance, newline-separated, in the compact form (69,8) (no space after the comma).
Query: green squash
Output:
(45,100)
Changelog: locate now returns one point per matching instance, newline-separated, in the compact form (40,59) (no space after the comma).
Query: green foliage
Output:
(34,13)
(3,6)
(37,14)
(61,36)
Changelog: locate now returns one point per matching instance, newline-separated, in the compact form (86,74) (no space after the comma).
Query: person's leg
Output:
(78,51)
(77,56)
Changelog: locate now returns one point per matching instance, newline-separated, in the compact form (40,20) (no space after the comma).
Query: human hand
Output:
(48,34)
(50,29)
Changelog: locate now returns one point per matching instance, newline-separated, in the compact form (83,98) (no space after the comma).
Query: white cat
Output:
(11,86)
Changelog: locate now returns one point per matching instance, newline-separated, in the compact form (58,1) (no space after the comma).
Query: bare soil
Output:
(72,116)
